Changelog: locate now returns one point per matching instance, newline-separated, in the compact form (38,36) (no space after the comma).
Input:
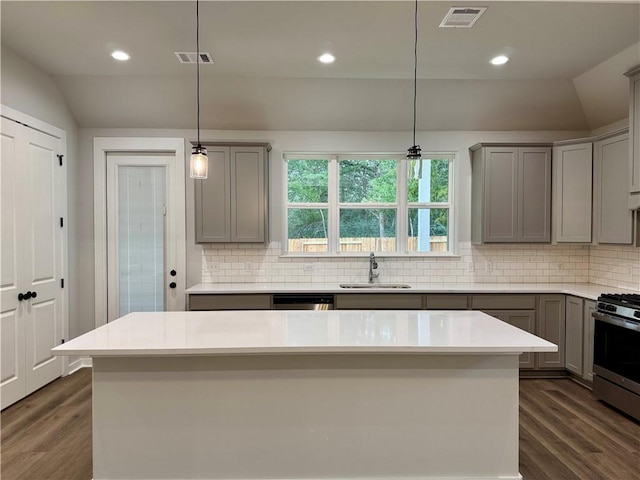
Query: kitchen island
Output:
(299,394)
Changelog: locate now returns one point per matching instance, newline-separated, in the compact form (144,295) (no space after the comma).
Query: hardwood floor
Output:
(564,434)
(47,435)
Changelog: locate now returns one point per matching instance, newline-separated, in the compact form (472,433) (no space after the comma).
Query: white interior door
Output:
(142,267)
(31,318)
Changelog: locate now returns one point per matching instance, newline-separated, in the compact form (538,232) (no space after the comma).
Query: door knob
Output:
(173,285)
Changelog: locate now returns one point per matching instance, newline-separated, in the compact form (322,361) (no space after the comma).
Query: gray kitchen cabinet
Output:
(516,310)
(446,301)
(524,320)
(634,137)
(551,327)
(572,192)
(612,217)
(199,302)
(377,301)
(511,193)
(589,328)
(231,204)
(574,335)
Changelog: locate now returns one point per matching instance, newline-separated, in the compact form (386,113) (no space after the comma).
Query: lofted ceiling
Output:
(565,58)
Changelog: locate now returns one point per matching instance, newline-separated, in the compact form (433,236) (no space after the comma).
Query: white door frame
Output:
(101,147)
(44,127)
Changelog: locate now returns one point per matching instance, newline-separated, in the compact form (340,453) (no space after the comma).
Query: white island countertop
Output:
(585,290)
(267,332)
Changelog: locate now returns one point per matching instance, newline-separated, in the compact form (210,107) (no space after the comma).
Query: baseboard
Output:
(78,364)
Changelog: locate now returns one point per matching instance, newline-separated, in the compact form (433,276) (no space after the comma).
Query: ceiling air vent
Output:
(191,57)
(462,17)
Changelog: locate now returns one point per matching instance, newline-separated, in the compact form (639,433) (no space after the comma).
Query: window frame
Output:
(401,205)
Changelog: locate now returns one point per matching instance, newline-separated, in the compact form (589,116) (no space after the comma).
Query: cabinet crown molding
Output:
(593,139)
(634,71)
(480,145)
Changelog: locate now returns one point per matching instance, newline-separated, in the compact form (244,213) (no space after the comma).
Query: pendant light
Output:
(199,163)
(413,153)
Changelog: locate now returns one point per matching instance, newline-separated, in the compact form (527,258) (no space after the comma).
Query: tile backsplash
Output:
(615,266)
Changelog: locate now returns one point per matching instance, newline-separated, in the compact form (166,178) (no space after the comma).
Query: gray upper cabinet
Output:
(511,193)
(572,192)
(612,217)
(231,204)
(634,138)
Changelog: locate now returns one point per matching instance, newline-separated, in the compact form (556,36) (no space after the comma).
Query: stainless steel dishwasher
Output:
(302,301)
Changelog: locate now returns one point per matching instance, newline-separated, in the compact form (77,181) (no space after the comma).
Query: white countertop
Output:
(265,332)
(586,290)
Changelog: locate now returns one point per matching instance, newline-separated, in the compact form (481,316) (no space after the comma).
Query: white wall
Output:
(29,90)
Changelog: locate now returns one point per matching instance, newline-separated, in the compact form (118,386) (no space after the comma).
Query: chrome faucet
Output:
(372,266)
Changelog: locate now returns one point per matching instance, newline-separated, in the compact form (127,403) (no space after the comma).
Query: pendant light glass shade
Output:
(199,163)
(414,152)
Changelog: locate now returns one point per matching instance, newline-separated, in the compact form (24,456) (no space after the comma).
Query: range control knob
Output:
(611,308)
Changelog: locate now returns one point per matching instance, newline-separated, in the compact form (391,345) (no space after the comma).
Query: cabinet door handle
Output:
(28,295)
(20,296)
(173,285)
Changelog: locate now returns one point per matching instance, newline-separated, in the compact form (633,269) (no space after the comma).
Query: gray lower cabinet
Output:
(377,301)
(572,192)
(612,217)
(574,335)
(551,327)
(511,193)
(201,302)
(579,336)
(589,327)
(446,301)
(516,310)
(231,204)
(524,320)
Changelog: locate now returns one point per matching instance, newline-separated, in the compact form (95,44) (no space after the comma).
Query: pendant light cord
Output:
(198,64)
(415,70)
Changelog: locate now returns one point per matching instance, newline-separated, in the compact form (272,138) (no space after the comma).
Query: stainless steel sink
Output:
(374,285)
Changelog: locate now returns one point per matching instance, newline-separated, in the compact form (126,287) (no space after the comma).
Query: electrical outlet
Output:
(248,266)
(488,267)
(307,267)
(470,267)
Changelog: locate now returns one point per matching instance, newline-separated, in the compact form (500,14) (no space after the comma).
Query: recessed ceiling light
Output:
(499,60)
(120,55)
(326,58)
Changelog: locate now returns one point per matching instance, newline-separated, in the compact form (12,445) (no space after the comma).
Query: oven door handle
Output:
(615,321)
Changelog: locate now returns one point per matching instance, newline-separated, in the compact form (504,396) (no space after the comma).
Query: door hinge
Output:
(61,222)
(62,283)
(60,157)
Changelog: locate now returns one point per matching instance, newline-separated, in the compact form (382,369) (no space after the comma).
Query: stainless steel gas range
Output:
(616,353)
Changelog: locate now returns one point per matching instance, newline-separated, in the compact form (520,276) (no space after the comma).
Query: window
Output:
(348,203)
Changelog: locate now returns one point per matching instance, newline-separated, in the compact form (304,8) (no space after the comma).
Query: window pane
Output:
(367,230)
(368,181)
(428,180)
(428,230)
(307,181)
(307,230)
